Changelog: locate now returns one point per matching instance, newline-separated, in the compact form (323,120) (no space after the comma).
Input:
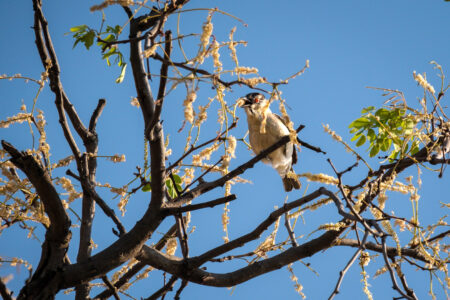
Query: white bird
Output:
(282,159)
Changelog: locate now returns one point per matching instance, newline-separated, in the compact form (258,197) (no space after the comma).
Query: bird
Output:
(282,159)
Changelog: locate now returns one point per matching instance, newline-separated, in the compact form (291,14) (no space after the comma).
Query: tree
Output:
(404,135)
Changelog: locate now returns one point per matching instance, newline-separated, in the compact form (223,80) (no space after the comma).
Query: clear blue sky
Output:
(350,44)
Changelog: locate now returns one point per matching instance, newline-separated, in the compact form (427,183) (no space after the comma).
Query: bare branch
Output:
(139,266)
(391,272)
(97,112)
(172,210)
(58,234)
(184,283)
(391,251)
(111,287)
(162,84)
(166,288)
(349,264)
(287,224)
(4,291)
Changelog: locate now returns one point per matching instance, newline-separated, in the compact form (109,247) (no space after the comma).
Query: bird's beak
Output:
(244,101)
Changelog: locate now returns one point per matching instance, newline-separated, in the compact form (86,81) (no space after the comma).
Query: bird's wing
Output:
(294,152)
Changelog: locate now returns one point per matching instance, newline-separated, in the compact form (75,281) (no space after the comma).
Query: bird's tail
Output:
(291,182)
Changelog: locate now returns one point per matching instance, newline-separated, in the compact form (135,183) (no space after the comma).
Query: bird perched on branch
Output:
(265,129)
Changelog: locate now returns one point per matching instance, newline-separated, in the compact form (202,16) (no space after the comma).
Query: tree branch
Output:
(58,233)
(171,209)
(4,292)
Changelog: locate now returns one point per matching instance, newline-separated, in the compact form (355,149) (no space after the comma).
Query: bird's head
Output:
(255,105)
(250,99)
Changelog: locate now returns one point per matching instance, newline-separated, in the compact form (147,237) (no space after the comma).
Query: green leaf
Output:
(386,144)
(371,135)
(122,74)
(382,113)
(368,109)
(146,188)
(361,141)
(374,151)
(89,39)
(414,147)
(359,123)
(79,28)
(177,179)
(355,137)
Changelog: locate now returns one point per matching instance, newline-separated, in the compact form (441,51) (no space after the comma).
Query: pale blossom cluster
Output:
(205,154)
(333,134)
(135,102)
(252,82)
(171,246)
(225,222)
(188,108)
(19,118)
(332,226)
(188,176)
(298,287)
(63,162)
(366,285)
(207,30)
(44,147)
(269,242)
(123,270)
(116,158)
(216,56)
(107,3)
(323,178)
(231,148)
(364,259)
(67,185)
(202,114)
(231,46)
(422,81)
(245,70)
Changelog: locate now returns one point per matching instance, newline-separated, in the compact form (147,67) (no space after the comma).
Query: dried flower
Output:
(422,81)
(116,158)
(188,108)
(135,102)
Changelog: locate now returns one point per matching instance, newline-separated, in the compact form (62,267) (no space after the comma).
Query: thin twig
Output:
(172,210)
(163,291)
(349,264)
(184,283)
(111,287)
(193,148)
(287,224)
(391,272)
(97,112)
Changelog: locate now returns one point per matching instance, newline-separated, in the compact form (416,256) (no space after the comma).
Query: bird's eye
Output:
(256,100)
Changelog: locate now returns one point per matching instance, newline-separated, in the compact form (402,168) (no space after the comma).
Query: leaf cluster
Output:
(173,186)
(387,129)
(86,36)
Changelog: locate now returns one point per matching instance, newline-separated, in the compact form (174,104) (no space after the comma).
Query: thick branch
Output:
(4,292)
(58,234)
(139,266)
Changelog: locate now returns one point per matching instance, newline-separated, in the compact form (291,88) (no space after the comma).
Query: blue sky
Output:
(350,44)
